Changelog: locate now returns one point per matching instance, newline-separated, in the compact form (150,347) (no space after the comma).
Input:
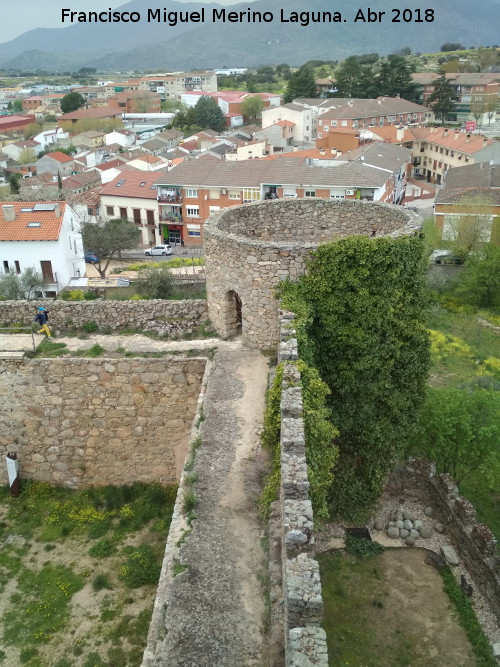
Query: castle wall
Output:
(249,249)
(76,422)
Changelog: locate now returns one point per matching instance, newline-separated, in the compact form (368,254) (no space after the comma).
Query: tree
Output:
(452,46)
(491,107)
(17,106)
(31,129)
(467,231)
(478,109)
(395,78)
(107,239)
(301,84)
(26,156)
(442,99)
(209,115)
(156,283)
(252,106)
(23,286)
(14,184)
(479,282)
(460,431)
(72,102)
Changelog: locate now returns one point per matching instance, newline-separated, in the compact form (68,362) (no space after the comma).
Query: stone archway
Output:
(233,318)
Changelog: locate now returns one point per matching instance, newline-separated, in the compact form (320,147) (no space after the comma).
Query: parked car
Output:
(158,250)
(91,258)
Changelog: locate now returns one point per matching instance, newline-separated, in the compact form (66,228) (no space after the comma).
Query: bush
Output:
(101,581)
(142,567)
(156,283)
(90,296)
(90,327)
(362,548)
(102,549)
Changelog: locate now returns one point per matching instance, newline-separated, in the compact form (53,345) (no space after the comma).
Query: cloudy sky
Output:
(16,18)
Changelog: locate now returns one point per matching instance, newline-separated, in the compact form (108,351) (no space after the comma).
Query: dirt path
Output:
(140,343)
(216,609)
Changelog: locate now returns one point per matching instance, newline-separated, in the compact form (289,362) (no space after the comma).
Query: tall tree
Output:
(252,106)
(301,84)
(72,102)
(209,115)
(107,239)
(27,155)
(468,232)
(442,99)
(395,78)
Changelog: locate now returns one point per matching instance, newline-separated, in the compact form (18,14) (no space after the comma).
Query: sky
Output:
(36,14)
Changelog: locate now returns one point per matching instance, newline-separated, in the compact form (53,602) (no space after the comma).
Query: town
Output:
(251,314)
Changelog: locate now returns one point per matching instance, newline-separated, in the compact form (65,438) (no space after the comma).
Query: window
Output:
(333,123)
(320,134)
(123,213)
(18,267)
(234,194)
(110,210)
(309,193)
(5,266)
(194,230)
(335,194)
(251,194)
(137,215)
(120,183)
(191,192)
(193,211)
(214,208)
(344,123)
(150,215)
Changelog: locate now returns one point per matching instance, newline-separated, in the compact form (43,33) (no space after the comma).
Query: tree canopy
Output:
(252,106)
(301,84)
(72,102)
(23,286)
(107,239)
(479,282)
(208,115)
(441,100)
(460,431)
(468,231)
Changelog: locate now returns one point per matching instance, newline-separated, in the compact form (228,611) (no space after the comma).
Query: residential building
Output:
(15,149)
(172,86)
(47,99)
(56,163)
(100,113)
(124,138)
(13,125)
(190,192)
(83,182)
(472,191)
(45,237)
(300,115)
(136,101)
(476,94)
(437,149)
(132,196)
(51,138)
(89,138)
(231,102)
(279,135)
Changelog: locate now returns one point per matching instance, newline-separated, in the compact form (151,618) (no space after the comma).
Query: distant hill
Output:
(143,45)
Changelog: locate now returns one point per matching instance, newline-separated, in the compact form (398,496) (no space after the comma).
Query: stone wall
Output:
(474,541)
(249,249)
(107,314)
(305,640)
(76,421)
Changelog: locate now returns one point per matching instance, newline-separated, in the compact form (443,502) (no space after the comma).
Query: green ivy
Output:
(360,311)
(270,439)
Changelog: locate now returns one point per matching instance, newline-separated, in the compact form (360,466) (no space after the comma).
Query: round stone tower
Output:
(249,249)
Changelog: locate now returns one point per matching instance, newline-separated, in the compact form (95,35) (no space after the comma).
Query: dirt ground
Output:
(395,612)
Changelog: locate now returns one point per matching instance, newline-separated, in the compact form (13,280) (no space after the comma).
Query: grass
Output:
(461,363)
(480,643)
(107,540)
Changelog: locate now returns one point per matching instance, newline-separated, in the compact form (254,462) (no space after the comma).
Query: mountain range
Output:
(137,46)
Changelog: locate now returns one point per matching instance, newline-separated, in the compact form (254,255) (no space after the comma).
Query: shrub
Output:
(102,549)
(95,351)
(90,327)
(101,581)
(90,296)
(156,283)
(362,548)
(142,567)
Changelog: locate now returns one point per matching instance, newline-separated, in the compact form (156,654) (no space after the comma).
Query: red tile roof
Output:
(60,157)
(18,230)
(132,184)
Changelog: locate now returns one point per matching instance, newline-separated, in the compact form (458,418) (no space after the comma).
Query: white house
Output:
(51,138)
(43,236)
(124,138)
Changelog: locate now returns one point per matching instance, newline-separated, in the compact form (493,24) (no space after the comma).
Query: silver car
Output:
(158,250)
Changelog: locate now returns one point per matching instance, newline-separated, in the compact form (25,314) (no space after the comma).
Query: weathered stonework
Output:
(249,249)
(305,641)
(107,314)
(474,542)
(76,422)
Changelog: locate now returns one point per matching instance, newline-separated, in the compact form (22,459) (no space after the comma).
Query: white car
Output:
(159,250)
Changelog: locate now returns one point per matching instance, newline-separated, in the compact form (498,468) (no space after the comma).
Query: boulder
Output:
(439,528)
(393,532)
(403,533)
(414,533)
(400,524)
(428,511)
(450,555)
(379,524)
(410,516)
(410,541)
(408,524)
(425,531)
(417,525)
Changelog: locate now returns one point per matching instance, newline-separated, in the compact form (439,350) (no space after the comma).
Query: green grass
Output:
(48,348)
(480,643)
(486,501)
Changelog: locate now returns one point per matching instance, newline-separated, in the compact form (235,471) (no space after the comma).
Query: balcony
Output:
(175,219)
(170,199)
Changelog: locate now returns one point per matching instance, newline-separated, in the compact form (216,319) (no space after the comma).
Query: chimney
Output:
(457,134)
(485,141)
(9,212)
(445,132)
(467,138)
(57,210)
(322,151)
(399,133)
(333,151)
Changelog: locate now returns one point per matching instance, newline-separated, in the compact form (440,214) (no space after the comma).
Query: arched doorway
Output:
(233,316)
